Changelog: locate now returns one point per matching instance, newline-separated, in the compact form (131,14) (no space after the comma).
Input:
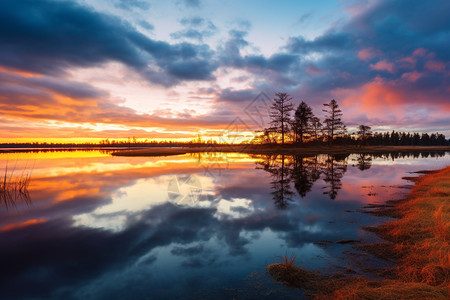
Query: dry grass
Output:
(419,241)
(13,188)
(288,261)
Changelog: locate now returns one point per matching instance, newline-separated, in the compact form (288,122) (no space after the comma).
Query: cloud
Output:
(130,4)
(383,65)
(46,38)
(191,3)
(146,25)
(381,56)
(196,28)
(394,47)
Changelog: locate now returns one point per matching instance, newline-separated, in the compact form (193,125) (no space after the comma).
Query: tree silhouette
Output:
(280,185)
(335,167)
(302,123)
(280,114)
(364,132)
(316,127)
(304,173)
(364,161)
(333,122)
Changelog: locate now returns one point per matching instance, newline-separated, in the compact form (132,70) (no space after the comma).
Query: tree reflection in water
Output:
(335,167)
(279,169)
(303,172)
(364,161)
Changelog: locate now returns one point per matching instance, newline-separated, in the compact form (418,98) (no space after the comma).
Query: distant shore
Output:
(418,243)
(278,149)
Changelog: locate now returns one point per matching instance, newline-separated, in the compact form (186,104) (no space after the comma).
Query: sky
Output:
(84,70)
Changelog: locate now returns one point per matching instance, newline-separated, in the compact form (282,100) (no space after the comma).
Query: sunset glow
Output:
(82,71)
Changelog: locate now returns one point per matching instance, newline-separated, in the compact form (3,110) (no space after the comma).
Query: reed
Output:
(14,188)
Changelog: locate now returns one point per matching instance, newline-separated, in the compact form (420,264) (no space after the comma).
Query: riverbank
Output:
(418,241)
(278,149)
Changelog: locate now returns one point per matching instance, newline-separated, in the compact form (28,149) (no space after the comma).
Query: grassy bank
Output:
(419,241)
(278,149)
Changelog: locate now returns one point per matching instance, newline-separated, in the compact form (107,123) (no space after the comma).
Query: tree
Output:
(364,132)
(316,126)
(280,113)
(333,122)
(302,123)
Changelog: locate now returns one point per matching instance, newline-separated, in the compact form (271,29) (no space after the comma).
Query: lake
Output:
(196,226)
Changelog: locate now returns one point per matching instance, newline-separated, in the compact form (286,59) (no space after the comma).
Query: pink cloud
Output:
(383,65)
(437,66)
(410,60)
(412,76)
(313,70)
(394,102)
(366,54)
(419,52)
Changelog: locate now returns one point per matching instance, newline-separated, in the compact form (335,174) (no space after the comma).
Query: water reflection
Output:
(302,172)
(364,161)
(280,173)
(104,227)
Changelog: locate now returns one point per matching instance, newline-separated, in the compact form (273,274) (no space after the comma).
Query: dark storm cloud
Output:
(187,251)
(229,95)
(332,41)
(77,90)
(48,37)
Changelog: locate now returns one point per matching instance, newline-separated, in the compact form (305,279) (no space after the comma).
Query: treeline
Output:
(109,144)
(300,126)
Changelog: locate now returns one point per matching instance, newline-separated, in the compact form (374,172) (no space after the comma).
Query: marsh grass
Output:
(418,241)
(288,261)
(14,188)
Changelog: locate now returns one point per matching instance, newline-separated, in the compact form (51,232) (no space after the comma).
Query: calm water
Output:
(198,226)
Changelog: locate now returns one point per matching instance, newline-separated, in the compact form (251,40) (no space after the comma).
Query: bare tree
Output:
(333,121)
(301,124)
(280,113)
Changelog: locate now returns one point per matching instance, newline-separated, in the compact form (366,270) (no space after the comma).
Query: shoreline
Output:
(278,149)
(418,241)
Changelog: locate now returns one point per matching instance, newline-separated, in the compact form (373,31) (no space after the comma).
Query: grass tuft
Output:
(14,188)
(288,261)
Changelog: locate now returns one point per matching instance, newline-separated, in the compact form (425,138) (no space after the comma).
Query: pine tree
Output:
(302,123)
(317,127)
(280,114)
(333,122)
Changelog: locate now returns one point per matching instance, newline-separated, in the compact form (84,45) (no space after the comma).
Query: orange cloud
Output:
(19,72)
(19,225)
